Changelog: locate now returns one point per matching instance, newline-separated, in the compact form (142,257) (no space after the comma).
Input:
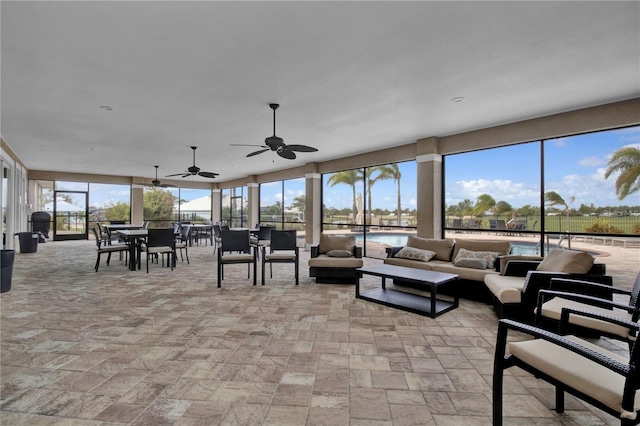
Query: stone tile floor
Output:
(169,348)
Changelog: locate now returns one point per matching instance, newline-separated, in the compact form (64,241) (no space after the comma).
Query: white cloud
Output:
(591,161)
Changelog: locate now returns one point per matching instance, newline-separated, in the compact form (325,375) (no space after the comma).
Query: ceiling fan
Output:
(194,170)
(159,184)
(277,145)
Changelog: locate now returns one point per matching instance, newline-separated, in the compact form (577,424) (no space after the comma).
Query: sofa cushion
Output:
(467,262)
(399,261)
(488,256)
(469,274)
(506,289)
(340,253)
(335,242)
(413,253)
(501,247)
(442,247)
(569,261)
(324,261)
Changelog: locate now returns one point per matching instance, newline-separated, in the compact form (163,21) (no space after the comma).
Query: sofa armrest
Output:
(315,251)
(520,268)
(391,251)
(357,252)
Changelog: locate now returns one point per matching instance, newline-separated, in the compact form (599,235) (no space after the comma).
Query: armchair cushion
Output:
(568,367)
(569,261)
(441,248)
(413,253)
(335,242)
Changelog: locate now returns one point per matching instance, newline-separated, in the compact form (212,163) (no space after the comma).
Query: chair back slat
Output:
(160,237)
(97,237)
(635,293)
(235,241)
(283,240)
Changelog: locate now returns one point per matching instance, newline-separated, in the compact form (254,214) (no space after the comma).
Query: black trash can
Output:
(6,269)
(28,242)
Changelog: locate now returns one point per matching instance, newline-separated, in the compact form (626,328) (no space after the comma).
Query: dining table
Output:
(133,238)
(198,229)
(122,226)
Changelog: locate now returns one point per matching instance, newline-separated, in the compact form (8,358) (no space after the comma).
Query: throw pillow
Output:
(467,262)
(339,253)
(441,248)
(569,261)
(415,254)
(489,256)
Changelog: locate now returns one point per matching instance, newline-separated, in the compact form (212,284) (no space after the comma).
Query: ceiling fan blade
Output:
(247,144)
(301,148)
(209,175)
(166,185)
(176,174)
(257,152)
(286,153)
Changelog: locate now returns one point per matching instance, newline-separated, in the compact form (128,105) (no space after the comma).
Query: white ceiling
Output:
(350,77)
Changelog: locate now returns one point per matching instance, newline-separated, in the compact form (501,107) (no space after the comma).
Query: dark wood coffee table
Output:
(429,306)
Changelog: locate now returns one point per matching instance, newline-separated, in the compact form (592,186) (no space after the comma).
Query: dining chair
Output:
(102,248)
(182,242)
(160,241)
(217,237)
(283,249)
(235,248)
(263,236)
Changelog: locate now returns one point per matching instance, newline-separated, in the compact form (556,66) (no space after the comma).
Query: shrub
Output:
(636,228)
(602,226)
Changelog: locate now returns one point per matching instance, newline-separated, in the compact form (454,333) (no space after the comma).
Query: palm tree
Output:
(626,161)
(392,171)
(552,198)
(484,202)
(347,177)
(367,175)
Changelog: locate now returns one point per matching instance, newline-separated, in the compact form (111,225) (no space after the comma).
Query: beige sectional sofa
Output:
(489,273)
(447,251)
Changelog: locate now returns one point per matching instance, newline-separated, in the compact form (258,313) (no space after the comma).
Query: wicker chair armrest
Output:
(545,295)
(569,284)
(566,312)
(504,325)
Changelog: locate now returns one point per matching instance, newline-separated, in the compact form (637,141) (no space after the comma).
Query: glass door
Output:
(70,215)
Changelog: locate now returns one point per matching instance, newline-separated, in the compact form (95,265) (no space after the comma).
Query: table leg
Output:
(384,283)
(434,296)
(358,276)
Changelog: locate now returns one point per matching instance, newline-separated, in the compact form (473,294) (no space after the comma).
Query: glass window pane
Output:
(271,197)
(294,203)
(109,202)
(494,188)
(71,186)
(195,205)
(342,199)
(578,196)
(160,206)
